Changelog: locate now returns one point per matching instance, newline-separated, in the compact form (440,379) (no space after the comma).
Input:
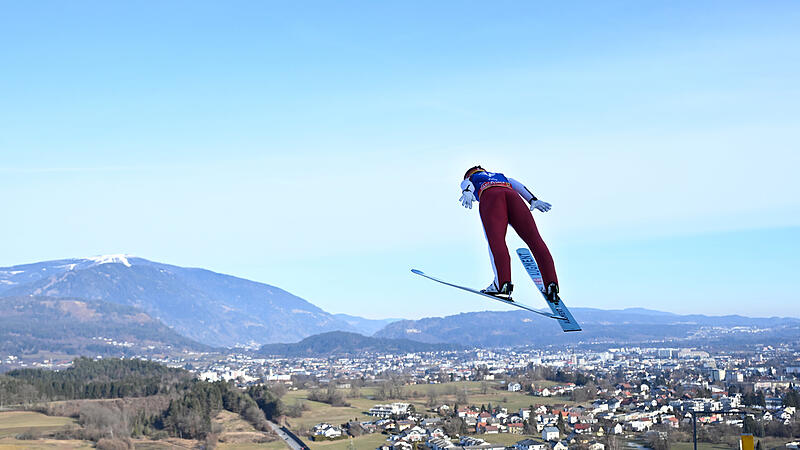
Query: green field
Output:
(13,423)
(368,441)
(42,444)
(321,412)
(276,445)
(700,446)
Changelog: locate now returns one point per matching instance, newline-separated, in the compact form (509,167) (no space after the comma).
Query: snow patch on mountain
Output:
(109,259)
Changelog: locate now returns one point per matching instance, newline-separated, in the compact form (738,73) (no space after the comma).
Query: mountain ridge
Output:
(225,310)
(363,325)
(343,342)
(511,328)
(213,308)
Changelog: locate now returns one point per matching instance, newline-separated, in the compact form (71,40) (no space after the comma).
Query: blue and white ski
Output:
(559,309)
(499,299)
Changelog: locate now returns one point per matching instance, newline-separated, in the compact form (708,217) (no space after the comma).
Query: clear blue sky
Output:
(318,146)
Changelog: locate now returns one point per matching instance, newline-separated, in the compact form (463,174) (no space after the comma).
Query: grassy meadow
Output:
(238,433)
(418,395)
(369,441)
(275,445)
(14,423)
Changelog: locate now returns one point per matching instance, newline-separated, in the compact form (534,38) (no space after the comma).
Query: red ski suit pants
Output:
(499,207)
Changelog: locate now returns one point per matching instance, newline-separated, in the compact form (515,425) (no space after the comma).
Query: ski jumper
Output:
(501,205)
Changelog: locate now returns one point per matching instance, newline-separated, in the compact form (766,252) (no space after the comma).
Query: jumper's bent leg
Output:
(521,219)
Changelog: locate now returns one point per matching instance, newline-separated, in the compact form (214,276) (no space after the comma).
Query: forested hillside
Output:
(30,325)
(105,378)
(135,399)
(208,307)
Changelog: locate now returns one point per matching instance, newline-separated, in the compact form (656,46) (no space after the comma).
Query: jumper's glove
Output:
(467,194)
(540,205)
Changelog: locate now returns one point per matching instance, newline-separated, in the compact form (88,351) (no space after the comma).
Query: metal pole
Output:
(694,429)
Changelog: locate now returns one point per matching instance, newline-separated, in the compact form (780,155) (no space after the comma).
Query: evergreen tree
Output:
(760,400)
(562,427)
(751,426)
(792,398)
(266,401)
(529,428)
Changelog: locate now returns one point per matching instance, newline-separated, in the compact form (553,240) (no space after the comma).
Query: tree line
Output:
(101,379)
(143,399)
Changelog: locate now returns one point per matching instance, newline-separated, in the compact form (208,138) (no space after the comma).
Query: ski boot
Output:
(552,293)
(504,292)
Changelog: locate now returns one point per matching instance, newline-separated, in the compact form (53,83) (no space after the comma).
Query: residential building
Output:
(550,434)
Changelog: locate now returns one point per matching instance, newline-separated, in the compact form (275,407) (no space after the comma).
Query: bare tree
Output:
(433,397)
(101,421)
(613,443)
(461,396)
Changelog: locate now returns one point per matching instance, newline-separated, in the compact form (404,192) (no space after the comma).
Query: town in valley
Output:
(591,396)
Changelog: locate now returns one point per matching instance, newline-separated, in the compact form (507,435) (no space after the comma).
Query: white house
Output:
(530,444)
(550,434)
(327,430)
(599,406)
(402,445)
(479,444)
(394,409)
(514,387)
(640,425)
(439,444)
(415,434)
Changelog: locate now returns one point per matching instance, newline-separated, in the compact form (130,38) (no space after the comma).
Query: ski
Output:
(499,299)
(559,308)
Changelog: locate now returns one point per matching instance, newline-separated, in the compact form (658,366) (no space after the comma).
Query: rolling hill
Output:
(69,327)
(341,343)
